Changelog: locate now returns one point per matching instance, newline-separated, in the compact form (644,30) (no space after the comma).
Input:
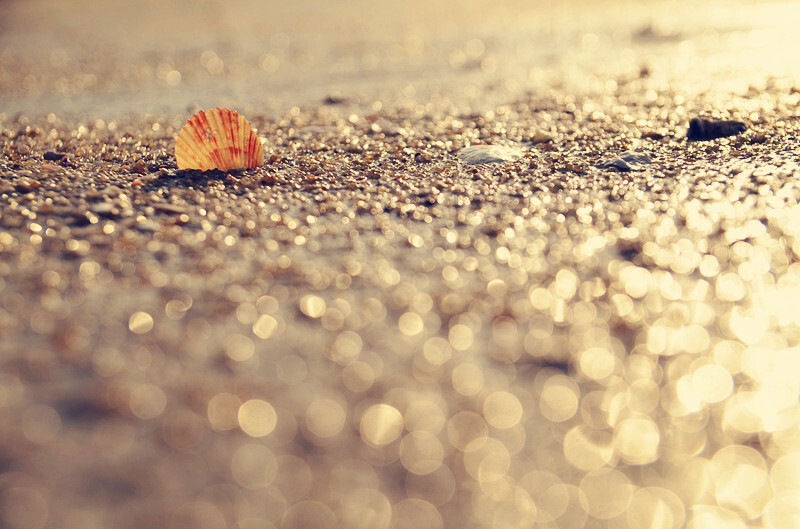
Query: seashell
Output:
(710,129)
(483,154)
(218,139)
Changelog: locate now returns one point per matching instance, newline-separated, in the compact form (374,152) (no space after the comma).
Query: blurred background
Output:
(148,56)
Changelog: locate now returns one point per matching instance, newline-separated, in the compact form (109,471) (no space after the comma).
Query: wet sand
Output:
(368,332)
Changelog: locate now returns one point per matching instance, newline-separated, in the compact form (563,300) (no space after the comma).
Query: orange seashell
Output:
(218,139)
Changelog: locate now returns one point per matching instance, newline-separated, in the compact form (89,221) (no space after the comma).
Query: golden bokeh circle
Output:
(467,431)
(147,401)
(257,418)
(325,417)
(655,508)
(559,399)
(467,379)
(307,513)
(312,306)
(140,322)
(783,512)
(489,462)
(714,517)
(608,492)
(586,448)
(421,452)
(363,508)
(223,411)
(254,466)
(425,414)
(381,424)
(502,410)
(637,440)
(415,513)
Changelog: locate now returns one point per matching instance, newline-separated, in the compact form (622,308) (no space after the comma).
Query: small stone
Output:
(53,156)
(575,168)
(483,154)
(25,184)
(390,129)
(48,169)
(169,208)
(105,209)
(139,167)
(542,137)
(710,129)
(334,99)
(147,226)
(627,161)
(83,219)
(653,135)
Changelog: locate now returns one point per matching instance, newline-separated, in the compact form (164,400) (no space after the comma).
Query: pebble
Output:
(483,154)
(390,129)
(627,161)
(710,129)
(542,137)
(49,169)
(139,167)
(147,226)
(25,184)
(53,156)
(653,135)
(108,209)
(170,208)
(334,99)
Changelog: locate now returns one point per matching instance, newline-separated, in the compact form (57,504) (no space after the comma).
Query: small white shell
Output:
(218,139)
(482,154)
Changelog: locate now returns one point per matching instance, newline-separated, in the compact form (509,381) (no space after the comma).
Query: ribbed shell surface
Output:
(218,139)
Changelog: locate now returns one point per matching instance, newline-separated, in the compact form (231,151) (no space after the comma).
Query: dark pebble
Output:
(710,129)
(53,156)
(334,99)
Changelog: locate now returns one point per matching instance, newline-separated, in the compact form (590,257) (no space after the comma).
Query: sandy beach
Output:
(598,328)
